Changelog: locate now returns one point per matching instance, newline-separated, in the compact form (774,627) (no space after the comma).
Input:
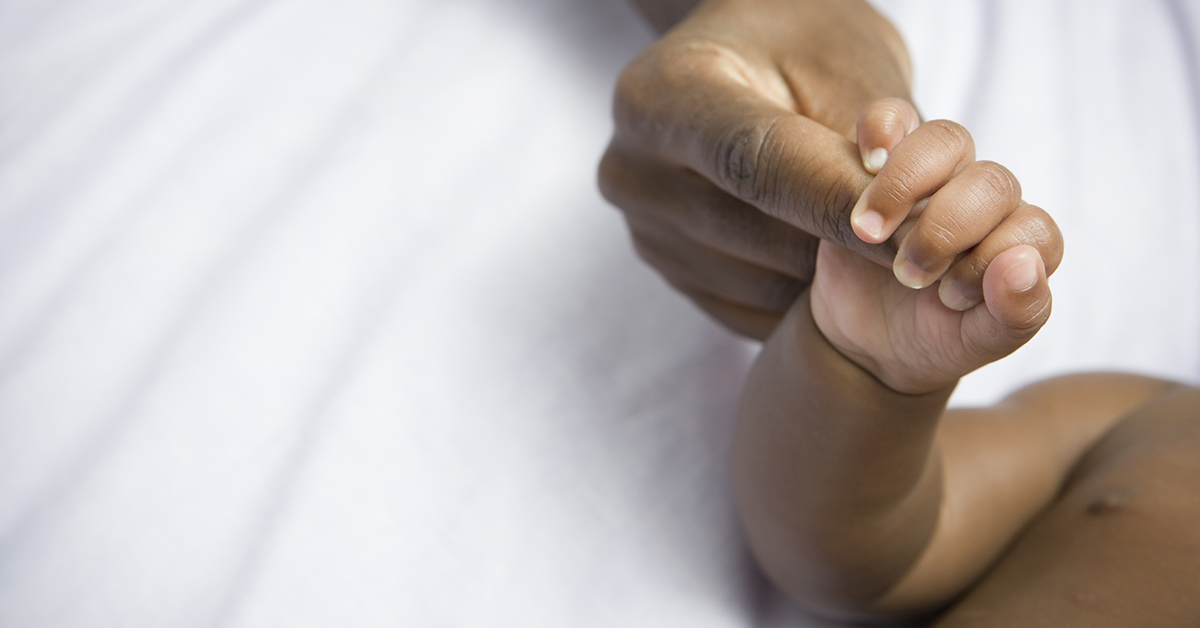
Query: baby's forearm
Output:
(838,476)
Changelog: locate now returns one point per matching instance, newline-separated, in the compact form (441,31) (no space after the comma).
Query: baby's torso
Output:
(1119,546)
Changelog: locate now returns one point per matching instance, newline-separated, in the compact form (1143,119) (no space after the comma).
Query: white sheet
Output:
(1094,106)
(310,313)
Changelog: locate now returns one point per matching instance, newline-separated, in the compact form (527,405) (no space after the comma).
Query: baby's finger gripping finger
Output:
(958,216)
(919,165)
(1017,297)
(880,127)
(962,285)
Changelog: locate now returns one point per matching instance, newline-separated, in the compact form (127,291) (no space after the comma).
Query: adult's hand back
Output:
(734,147)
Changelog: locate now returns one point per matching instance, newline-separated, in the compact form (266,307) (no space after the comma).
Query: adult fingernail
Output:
(874,160)
(952,297)
(1022,275)
(909,274)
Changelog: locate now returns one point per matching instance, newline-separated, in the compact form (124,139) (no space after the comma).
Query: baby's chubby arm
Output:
(961,227)
(839,464)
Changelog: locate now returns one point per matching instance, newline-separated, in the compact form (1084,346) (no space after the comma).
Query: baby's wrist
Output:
(889,372)
(880,360)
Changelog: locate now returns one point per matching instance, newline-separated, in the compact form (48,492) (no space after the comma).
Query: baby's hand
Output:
(955,220)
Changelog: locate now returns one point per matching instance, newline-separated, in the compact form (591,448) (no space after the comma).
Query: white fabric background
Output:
(310,313)
(1094,106)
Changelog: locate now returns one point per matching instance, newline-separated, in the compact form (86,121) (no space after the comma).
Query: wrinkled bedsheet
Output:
(311,314)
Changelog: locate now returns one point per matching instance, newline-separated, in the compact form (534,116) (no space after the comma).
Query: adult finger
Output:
(709,119)
(743,319)
(741,266)
(699,270)
(682,204)
(746,321)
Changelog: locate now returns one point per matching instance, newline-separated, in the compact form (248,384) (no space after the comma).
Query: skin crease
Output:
(743,135)
(1071,503)
(733,145)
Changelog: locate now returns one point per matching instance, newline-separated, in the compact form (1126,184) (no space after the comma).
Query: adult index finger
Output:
(717,119)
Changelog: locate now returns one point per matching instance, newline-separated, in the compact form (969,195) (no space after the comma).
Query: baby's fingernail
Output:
(1022,275)
(953,298)
(874,160)
(910,275)
(870,223)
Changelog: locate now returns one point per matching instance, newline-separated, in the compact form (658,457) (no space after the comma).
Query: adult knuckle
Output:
(628,107)
(647,90)
(683,57)
(637,106)
(833,216)
(744,160)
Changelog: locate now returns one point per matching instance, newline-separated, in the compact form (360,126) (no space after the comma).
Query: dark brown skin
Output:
(1120,545)
(663,14)
(1072,503)
(731,152)
(734,147)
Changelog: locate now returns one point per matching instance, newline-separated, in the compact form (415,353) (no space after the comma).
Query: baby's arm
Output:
(857,499)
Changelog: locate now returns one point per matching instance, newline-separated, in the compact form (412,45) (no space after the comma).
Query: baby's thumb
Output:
(880,127)
(1016,302)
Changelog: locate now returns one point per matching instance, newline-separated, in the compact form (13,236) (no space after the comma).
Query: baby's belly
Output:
(1150,461)
(1120,546)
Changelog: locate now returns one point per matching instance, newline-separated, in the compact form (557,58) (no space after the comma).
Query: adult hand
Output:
(734,147)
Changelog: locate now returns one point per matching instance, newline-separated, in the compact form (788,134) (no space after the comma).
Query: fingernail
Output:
(874,160)
(953,298)
(909,274)
(870,222)
(1022,275)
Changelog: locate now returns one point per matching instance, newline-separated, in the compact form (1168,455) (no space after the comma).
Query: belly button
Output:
(1109,503)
